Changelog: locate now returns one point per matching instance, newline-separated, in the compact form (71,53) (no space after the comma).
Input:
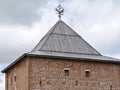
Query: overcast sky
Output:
(24,22)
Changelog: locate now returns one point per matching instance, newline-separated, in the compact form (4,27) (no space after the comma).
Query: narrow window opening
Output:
(15,78)
(11,80)
(110,87)
(76,82)
(66,72)
(40,82)
(48,83)
(87,73)
(64,83)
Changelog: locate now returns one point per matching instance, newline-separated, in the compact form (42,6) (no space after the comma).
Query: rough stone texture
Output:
(48,74)
(34,73)
(20,70)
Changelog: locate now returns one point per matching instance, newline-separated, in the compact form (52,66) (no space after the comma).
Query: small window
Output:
(40,82)
(64,83)
(15,78)
(76,82)
(87,73)
(11,80)
(110,87)
(48,83)
(66,72)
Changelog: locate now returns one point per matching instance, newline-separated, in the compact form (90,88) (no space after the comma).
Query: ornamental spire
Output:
(60,11)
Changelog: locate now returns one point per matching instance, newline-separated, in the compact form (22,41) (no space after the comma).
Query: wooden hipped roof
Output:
(61,38)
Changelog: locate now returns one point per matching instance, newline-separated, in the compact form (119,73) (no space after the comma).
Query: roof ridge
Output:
(71,28)
(48,33)
(80,37)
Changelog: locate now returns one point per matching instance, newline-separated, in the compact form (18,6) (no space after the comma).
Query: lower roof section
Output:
(73,56)
(80,57)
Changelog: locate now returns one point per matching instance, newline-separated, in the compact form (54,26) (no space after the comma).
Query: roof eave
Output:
(73,58)
(56,57)
(13,63)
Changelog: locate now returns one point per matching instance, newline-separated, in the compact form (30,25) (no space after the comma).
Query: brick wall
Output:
(17,76)
(48,74)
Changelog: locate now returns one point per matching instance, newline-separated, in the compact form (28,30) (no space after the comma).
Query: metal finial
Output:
(60,11)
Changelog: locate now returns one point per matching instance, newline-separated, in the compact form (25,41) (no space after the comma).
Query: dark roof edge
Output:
(73,58)
(13,63)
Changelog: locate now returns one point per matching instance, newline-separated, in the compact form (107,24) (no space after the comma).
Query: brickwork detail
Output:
(17,76)
(48,74)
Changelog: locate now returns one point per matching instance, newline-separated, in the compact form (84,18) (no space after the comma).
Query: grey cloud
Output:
(10,53)
(20,11)
(103,12)
(116,1)
(2,83)
(114,48)
(0,79)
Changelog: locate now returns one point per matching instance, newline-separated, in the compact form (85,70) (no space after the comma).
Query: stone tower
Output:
(63,60)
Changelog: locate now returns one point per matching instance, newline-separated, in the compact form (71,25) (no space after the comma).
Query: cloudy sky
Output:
(24,22)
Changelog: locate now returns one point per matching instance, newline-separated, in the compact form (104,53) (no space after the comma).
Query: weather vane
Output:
(60,11)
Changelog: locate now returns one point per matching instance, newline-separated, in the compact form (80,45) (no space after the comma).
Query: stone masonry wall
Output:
(48,74)
(17,76)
